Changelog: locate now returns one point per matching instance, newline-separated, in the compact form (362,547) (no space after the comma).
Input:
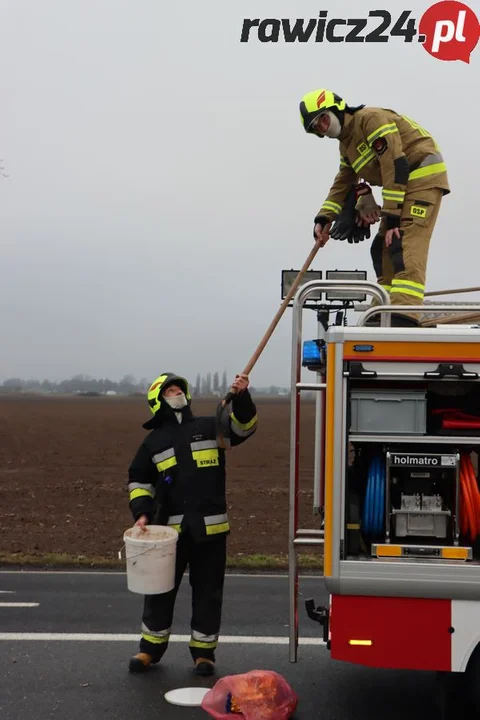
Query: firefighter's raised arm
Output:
(243,417)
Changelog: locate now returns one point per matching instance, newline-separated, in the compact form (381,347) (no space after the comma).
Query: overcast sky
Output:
(159,178)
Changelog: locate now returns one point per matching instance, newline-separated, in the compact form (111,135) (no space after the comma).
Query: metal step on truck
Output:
(396,492)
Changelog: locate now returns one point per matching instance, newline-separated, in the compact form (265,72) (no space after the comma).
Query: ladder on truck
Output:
(300,538)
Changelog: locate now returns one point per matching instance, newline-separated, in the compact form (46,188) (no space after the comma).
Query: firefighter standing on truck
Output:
(389,150)
(177,478)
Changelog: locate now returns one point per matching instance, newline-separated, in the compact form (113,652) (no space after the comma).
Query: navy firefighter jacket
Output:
(178,474)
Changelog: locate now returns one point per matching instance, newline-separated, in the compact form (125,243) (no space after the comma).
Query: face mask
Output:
(335,128)
(177,402)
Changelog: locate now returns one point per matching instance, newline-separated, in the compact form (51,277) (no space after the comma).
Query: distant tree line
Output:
(210,384)
(205,385)
(79,383)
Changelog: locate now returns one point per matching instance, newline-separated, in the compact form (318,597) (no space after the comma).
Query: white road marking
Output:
(127,637)
(263,576)
(8,592)
(18,604)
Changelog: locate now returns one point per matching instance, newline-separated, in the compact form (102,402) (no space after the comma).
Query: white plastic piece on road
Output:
(191,696)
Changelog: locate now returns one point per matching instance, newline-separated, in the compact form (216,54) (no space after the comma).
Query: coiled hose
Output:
(469,499)
(374,506)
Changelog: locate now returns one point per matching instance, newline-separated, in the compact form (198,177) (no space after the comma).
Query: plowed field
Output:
(64,461)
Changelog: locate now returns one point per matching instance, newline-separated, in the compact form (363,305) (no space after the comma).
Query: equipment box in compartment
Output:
(388,412)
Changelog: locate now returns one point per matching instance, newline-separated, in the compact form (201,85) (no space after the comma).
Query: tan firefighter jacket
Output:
(387,150)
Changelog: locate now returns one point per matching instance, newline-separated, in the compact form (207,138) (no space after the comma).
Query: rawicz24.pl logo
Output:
(448,30)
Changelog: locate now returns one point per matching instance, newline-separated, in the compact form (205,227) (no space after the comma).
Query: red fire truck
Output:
(396,492)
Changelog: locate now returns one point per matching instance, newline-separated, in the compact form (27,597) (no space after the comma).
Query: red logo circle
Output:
(451,30)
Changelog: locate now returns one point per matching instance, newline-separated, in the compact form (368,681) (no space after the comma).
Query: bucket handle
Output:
(132,557)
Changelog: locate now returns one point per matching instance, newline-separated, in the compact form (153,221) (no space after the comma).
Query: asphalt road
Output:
(48,671)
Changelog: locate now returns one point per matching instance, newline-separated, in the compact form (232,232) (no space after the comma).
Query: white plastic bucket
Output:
(151,559)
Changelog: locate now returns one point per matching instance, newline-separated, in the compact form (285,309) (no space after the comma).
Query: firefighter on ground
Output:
(387,149)
(177,478)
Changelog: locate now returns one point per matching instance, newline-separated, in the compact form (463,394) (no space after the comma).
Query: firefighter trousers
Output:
(402,267)
(206,562)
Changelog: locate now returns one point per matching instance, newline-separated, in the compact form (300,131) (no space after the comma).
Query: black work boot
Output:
(203,666)
(141,662)
(397,320)
(404,321)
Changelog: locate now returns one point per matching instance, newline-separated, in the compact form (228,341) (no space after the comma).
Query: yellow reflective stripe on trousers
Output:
(381,132)
(204,645)
(411,283)
(155,636)
(201,637)
(153,639)
(408,287)
(406,291)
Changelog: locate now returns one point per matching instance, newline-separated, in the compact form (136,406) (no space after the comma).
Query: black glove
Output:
(360,233)
(344,224)
(320,220)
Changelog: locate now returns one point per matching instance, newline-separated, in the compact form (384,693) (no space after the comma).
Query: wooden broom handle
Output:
(278,315)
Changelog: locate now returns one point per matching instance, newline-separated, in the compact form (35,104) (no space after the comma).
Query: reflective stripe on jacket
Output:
(387,150)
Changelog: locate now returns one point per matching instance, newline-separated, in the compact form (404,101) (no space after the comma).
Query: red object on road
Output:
(255,695)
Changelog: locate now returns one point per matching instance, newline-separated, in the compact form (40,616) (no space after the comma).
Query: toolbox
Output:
(388,412)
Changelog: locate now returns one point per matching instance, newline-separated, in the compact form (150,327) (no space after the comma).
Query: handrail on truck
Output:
(311,537)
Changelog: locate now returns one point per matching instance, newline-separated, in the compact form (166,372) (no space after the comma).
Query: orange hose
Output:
(469,510)
(475,491)
(474,512)
(463,519)
(467,505)
(471,504)
(464,522)
(470,499)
